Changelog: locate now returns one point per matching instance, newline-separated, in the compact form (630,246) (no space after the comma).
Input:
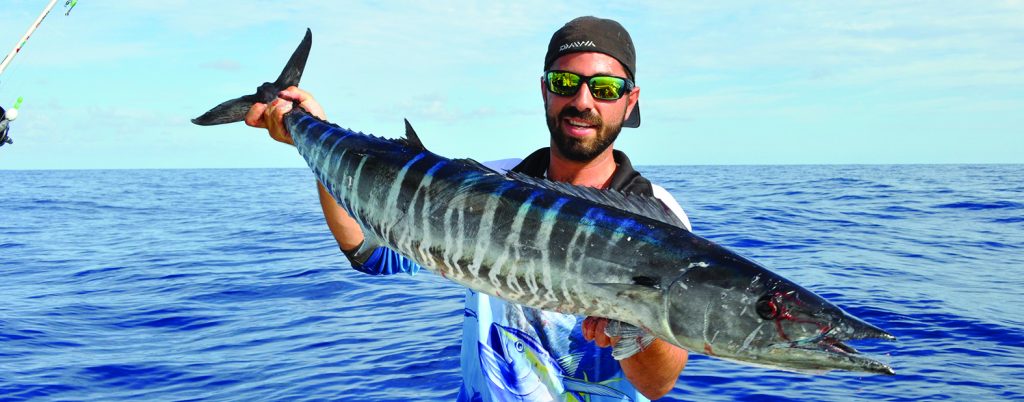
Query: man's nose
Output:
(583,99)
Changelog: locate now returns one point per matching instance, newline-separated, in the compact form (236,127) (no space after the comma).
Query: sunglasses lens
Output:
(601,87)
(607,88)
(563,83)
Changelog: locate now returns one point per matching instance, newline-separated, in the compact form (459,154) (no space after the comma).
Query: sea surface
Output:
(225,285)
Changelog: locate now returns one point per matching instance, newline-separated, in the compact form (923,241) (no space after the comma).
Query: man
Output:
(512,352)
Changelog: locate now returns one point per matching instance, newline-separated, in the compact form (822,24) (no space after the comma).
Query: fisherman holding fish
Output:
(513,352)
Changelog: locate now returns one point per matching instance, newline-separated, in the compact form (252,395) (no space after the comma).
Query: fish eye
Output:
(766,308)
(519,346)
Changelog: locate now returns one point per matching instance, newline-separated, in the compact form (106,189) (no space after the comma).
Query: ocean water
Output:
(177,285)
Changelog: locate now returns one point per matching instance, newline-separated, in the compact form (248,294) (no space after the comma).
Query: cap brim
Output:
(633,120)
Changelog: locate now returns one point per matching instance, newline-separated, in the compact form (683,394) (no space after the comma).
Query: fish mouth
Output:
(834,349)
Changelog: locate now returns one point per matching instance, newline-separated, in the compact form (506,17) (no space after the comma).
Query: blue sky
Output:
(114,84)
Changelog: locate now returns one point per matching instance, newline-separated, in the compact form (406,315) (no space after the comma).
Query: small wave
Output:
(750,243)
(980,206)
(132,376)
(24,392)
(902,209)
(96,272)
(868,216)
(851,197)
(180,323)
(308,272)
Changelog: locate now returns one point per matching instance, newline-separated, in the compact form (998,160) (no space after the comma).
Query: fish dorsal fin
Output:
(411,140)
(642,205)
(477,165)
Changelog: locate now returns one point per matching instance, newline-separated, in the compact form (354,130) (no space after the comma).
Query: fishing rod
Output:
(7,116)
(28,34)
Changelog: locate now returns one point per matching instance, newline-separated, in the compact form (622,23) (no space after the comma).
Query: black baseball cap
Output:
(592,34)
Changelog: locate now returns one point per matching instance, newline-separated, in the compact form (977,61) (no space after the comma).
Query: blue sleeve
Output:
(385,261)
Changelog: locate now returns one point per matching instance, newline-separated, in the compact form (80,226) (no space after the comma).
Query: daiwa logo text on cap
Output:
(576,44)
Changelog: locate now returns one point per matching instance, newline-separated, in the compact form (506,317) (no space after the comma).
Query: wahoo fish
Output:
(563,248)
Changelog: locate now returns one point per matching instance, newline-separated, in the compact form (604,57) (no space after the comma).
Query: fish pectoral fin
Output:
(639,293)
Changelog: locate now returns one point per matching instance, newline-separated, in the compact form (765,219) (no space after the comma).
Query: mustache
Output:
(588,115)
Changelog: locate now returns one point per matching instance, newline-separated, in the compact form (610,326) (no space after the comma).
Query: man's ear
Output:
(544,92)
(633,96)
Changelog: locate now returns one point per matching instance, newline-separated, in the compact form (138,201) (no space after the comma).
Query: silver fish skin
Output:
(568,249)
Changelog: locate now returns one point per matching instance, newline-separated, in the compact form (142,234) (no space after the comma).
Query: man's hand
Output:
(271,117)
(593,330)
(627,340)
(653,371)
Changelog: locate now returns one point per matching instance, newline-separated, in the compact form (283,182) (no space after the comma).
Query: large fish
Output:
(559,247)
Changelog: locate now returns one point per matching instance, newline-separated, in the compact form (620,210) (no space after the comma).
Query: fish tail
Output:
(236,109)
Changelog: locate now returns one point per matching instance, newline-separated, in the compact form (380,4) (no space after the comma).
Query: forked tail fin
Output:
(235,109)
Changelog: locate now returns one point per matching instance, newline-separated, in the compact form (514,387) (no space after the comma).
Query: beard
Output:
(582,149)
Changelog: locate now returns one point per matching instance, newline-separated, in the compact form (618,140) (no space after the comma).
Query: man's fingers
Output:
(273,117)
(254,118)
(294,94)
(280,108)
(593,329)
(304,99)
(600,338)
(588,328)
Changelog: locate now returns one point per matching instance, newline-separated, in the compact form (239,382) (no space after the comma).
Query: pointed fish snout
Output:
(863,330)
